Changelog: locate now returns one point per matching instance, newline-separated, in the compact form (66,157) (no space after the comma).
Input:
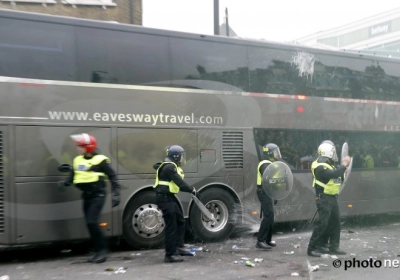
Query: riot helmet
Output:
(85,140)
(177,154)
(271,151)
(328,141)
(327,149)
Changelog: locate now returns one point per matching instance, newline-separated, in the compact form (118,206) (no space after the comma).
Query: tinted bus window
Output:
(391,82)
(109,56)
(273,71)
(37,50)
(299,148)
(278,71)
(346,77)
(208,65)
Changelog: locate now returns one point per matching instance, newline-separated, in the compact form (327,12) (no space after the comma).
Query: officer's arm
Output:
(172,173)
(70,178)
(107,169)
(325,173)
(263,167)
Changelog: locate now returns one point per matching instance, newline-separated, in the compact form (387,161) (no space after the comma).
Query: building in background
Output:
(122,11)
(225,30)
(379,34)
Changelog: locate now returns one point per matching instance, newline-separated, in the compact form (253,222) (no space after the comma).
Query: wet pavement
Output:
(369,241)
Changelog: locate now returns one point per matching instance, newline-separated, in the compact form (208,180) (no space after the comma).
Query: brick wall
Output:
(122,12)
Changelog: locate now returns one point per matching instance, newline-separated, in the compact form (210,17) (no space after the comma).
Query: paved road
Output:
(377,239)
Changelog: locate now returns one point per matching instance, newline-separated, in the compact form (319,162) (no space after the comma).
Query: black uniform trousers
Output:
(267,208)
(93,203)
(327,225)
(174,222)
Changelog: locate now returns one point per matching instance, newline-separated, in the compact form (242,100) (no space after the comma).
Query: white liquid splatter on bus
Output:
(304,63)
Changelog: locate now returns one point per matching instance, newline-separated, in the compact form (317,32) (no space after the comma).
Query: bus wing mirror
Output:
(64,167)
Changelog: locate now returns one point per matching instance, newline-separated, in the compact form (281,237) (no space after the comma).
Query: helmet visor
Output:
(334,155)
(81,139)
(277,153)
(183,158)
(77,138)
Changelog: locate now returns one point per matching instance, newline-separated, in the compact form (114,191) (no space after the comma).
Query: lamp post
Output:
(216,17)
(226,22)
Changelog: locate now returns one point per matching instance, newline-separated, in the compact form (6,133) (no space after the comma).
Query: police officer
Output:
(169,181)
(88,174)
(327,181)
(270,153)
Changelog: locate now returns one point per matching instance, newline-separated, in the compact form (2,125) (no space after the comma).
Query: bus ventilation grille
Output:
(232,149)
(2,166)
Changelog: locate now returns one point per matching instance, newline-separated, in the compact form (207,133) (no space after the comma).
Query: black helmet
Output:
(176,154)
(271,151)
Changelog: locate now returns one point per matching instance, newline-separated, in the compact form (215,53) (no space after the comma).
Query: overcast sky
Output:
(279,20)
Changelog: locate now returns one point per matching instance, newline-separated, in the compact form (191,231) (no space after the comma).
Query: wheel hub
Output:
(221,215)
(147,221)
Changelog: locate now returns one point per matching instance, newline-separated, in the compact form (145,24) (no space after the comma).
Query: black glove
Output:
(275,202)
(194,191)
(116,199)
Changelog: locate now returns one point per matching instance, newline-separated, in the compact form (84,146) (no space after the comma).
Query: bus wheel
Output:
(222,206)
(143,223)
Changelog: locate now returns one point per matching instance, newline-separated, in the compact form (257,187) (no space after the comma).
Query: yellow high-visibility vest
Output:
(333,186)
(81,169)
(173,188)
(259,175)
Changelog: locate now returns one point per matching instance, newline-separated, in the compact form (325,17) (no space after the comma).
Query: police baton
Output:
(203,209)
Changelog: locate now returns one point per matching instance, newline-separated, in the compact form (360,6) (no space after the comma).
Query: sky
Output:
(279,20)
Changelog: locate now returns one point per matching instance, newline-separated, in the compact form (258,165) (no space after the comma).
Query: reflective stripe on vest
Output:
(333,186)
(259,175)
(173,188)
(82,165)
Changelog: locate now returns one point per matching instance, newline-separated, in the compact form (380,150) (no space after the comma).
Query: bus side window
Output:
(122,58)
(47,53)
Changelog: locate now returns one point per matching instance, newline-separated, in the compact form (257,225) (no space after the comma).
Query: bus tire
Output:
(222,205)
(143,224)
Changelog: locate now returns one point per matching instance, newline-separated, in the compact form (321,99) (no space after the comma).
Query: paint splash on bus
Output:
(304,63)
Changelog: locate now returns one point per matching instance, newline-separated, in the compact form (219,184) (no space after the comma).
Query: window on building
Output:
(89,2)
(31,1)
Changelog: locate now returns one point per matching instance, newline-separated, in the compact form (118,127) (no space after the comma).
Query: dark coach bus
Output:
(139,90)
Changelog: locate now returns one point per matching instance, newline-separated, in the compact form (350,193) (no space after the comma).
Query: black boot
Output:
(262,245)
(184,252)
(337,252)
(313,253)
(99,257)
(173,258)
(323,250)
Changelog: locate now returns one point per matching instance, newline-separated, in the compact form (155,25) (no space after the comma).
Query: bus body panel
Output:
(139,90)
